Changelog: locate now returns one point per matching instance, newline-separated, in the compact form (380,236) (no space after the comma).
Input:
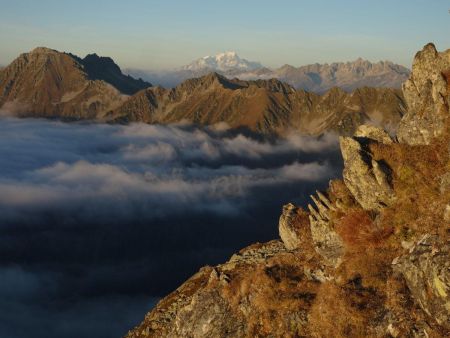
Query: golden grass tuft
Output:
(345,311)
(359,231)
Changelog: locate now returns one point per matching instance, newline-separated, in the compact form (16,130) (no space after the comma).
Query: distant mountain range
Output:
(317,78)
(48,83)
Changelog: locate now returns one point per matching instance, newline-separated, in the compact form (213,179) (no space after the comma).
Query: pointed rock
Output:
(367,179)
(325,200)
(323,210)
(428,97)
(286,227)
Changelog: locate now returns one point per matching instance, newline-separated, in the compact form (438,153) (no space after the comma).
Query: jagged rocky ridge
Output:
(317,78)
(370,257)
(267,106)
(47,83)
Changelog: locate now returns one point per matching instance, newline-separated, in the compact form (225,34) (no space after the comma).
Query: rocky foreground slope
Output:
(369,258)
(47,83)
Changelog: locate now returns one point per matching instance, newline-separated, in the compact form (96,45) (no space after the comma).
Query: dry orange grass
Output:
(359,231)
(277,292)
(346,311)
(417,172)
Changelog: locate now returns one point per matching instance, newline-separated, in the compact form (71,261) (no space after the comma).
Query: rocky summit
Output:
(370,257)
(426,93)
(48,83)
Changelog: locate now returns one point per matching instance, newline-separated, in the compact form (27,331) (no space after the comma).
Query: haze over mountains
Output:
(315,77)
(48,83)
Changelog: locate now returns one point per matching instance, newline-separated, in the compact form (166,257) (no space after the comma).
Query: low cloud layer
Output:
(99,219)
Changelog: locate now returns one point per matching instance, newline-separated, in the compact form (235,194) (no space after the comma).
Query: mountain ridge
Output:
(267,106)
(49,83)
(65,86)
(315,77)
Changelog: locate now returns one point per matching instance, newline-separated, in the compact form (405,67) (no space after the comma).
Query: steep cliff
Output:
(370,257)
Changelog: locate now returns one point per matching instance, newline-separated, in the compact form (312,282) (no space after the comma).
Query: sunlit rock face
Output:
(367,179)
(426,269)
(427,95)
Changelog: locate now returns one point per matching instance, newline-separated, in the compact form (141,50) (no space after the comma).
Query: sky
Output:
(150,34)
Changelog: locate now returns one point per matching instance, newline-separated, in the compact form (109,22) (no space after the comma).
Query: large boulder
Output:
(368,180)
(426,93)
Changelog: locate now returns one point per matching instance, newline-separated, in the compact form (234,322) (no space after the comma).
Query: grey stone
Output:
(327,242)
(367,179)
(426,269)
(426,94)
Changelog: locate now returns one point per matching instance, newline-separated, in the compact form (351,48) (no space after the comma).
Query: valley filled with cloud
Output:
(99,219)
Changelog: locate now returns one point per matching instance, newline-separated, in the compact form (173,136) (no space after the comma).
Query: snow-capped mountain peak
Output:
(223,62)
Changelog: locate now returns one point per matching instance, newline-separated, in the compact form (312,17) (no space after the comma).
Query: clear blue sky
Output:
(154,34)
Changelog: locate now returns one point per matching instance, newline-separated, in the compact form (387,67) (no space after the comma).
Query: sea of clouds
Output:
(99,221)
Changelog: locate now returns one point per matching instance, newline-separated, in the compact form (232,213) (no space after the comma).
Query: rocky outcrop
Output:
(427,94)
(326,241)
(368,180)
(239,298)
(426,269)
(370,258)
(287,227)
